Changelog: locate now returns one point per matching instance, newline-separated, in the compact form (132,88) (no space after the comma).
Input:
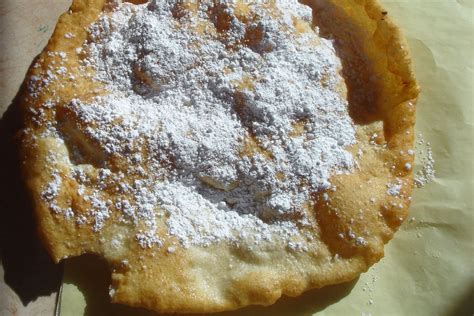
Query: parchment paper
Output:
(427,269)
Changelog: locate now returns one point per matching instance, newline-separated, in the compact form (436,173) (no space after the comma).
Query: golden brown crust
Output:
(221,277)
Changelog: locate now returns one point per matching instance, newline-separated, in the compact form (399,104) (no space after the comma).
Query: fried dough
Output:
(196,223)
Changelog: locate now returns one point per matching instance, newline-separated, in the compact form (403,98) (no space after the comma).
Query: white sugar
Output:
(185,106)
(427,172)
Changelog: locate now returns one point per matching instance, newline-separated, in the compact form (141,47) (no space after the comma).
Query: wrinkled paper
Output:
(427,269)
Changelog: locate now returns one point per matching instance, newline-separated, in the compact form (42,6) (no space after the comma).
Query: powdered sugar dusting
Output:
(426,173)
(227,123)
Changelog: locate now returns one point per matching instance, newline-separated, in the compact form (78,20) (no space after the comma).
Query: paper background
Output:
(428,267)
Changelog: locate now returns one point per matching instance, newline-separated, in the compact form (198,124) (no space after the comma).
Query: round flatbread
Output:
(216,154)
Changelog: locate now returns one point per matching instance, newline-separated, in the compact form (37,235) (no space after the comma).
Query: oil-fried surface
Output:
(351,223)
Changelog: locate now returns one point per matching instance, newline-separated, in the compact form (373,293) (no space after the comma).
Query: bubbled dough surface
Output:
(223,277)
